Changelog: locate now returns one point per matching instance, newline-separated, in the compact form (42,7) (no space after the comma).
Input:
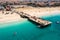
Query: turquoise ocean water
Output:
(29,31)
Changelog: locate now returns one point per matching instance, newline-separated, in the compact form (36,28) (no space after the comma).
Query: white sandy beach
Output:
(9,18)
(39,12)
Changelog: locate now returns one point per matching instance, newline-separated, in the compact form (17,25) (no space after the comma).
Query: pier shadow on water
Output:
(38,25)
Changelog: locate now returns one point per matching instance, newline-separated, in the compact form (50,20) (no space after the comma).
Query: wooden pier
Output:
(35,19)
(41,22)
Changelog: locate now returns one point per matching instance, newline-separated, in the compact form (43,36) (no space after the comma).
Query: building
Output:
(26,0)
(40,2)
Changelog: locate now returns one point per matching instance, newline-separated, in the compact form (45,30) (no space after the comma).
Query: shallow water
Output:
(29,31)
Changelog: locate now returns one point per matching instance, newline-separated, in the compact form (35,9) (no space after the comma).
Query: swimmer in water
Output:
(15,33)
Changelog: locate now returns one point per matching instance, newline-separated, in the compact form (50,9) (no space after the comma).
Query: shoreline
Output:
(4,25)
(38,12)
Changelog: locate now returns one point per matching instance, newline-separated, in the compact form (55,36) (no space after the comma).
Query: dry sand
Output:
(39,12)
(45,11)
(9,18)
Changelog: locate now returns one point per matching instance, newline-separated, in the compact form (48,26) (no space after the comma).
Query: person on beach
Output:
(12,12)
(2,12)
(6,13)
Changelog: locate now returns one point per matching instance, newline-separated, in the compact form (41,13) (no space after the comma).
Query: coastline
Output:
(38,12)
(10,18)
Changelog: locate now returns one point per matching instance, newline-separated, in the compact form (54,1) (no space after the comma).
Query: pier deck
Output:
(37,20)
